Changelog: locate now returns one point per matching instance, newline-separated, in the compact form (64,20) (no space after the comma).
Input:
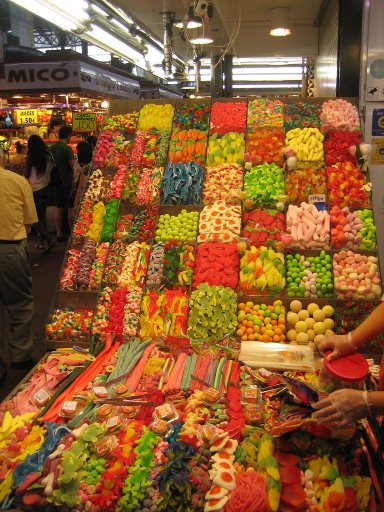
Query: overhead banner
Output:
(84,122)
(64,75)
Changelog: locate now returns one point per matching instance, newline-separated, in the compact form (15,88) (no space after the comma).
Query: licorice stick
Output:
(200,372)
(211,371)
(221,382)
(176,375)
(227,374)
(134,379)
(192,386)
(86,376)
(125,372)
(235,373)
(186,370)
(169,372)
(218,373)
(223,376)
(186,382)
(164,372)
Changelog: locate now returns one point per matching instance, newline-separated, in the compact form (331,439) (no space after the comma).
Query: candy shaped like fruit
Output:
(261,322)
(309,324)
(182,227)
(262,270)
(307,143)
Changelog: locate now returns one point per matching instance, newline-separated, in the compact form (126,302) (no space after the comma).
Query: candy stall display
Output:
(226,149)
(347,186)
(219,222)
(263,227)
(300,114)
(264,184)
(264,145)
(192,115)
(188,145)
(265,113)
(228,116)
(181,184)
(185,368)
(223,182)
(262,271)
(302,183)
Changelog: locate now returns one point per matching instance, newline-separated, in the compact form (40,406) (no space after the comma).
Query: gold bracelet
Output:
(350,341)
(367,402)
(371,406)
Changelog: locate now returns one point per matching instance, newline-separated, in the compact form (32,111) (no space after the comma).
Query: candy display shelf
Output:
(293,112)
(178,306)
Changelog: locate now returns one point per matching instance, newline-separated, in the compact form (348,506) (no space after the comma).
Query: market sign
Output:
(84,122)
(64,75)
(28,116)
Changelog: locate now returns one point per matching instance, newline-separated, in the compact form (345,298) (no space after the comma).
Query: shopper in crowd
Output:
(346,405)
(17,161)
(38,172)
(54,126)
(92,141)
(17,210)
(81,170)
(62,179)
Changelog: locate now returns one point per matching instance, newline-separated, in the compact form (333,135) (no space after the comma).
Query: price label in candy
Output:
(84,122)
(316,198)
(26,116)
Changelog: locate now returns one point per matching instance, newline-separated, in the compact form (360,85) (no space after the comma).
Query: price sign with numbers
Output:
(316,198)
(84,122)
(26,116)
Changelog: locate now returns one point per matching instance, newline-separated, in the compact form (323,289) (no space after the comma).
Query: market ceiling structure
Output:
(253,38)
(144,33)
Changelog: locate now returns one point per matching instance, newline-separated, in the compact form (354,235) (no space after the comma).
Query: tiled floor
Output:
(45,272)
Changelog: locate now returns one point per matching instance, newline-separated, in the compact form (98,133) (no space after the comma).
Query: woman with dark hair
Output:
(17,161)
(38,172)
(81,170)
(92,141)
(54,126)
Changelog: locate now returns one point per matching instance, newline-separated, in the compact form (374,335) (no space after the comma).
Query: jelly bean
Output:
(265,113)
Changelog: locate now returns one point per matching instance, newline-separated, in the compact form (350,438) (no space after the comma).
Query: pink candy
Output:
(356,276)
(339,114)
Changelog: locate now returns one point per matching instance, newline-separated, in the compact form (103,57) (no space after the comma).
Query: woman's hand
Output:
(338,345)
(341,407)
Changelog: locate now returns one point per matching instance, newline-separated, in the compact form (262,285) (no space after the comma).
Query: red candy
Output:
(228,116)
(346,186)
(337,144)
(263,227)
(117,184)
(216,264)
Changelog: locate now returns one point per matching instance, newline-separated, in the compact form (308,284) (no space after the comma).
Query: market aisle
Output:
(45,271)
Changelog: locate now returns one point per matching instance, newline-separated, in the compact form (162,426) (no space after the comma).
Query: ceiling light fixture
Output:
(190,20)
(280,22)
(203,37)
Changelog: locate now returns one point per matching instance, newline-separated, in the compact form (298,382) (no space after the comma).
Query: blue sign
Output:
(378,122)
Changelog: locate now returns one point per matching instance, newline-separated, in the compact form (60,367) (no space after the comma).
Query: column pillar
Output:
(228,77)
(216,77)
(349,47)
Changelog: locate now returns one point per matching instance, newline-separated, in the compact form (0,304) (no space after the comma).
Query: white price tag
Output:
(316,198)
